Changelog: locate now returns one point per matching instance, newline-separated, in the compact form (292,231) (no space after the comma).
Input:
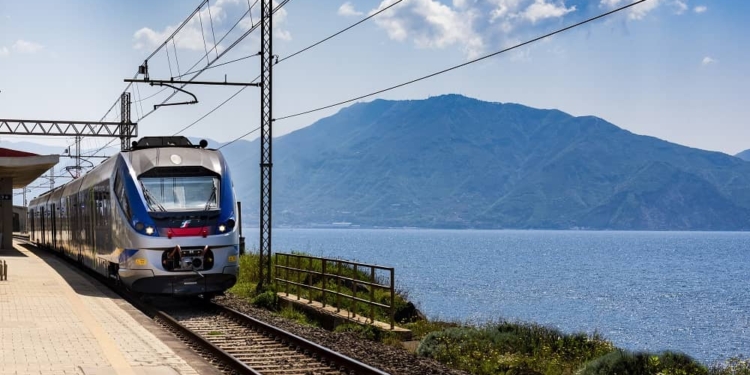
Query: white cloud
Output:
(279,18)
(191,37)
(24,46)
(347,9)
(503,8)
(680,6)
(636,12)
(700,9)
(708,60)
(4,52)
(431,24)
(472,25)
(541,9)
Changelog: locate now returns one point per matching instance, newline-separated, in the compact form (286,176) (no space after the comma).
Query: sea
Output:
(652,291)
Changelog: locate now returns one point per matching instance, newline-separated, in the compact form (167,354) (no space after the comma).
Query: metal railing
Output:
(300,272)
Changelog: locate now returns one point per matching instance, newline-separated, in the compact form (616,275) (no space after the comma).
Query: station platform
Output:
(56,320)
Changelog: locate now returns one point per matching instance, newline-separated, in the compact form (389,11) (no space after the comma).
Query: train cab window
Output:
(119,187)
(189,193)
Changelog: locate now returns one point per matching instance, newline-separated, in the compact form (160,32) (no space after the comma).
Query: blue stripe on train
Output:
(126,254)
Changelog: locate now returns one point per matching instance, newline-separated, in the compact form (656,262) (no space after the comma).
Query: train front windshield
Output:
(197,193)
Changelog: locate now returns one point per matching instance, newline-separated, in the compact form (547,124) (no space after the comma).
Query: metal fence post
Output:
(286,274)
(393,299)
(354,291)
(338,288)
(309,280)
(372,294)
(299,272)
(239,223)
(323,297)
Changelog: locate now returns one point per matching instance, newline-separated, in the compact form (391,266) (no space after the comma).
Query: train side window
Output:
(121,196)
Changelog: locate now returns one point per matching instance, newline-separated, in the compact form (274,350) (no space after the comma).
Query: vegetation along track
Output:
(246,345)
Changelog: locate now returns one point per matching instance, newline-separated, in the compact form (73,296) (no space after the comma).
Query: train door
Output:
(54,227)
(30,223)
(41,219)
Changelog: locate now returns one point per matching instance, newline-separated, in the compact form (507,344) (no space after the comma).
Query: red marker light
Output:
(204,232)
(169,234)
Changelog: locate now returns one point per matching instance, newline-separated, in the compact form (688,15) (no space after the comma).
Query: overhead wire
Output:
(129,85)
(212,111)
(216,45)
(205,47)
(199,72)
(211,18)
(177,30)
(463,64)
(248,32)
(152,95)
(284,59)
(616,10)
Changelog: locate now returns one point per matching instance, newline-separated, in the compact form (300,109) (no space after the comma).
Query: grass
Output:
(507,348)
(215,333)
(623,362)
(734,366)
(249,277)
(293,314)
(501,347)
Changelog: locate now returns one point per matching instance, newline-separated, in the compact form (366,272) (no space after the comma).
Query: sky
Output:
(672,69)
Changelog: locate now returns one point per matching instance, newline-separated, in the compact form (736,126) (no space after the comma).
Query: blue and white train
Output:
(159,219)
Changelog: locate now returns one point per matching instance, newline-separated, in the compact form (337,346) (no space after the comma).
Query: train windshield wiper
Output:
(151,200)
(211,199)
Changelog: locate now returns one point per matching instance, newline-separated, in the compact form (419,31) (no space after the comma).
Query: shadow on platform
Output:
(11,253)
(81,282)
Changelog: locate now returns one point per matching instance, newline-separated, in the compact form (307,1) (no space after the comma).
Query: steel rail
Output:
(223,357)
(226,358)
(323,353)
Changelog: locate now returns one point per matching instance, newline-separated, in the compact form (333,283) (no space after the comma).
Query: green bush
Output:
(365,331)
(291,313)
(621,362)
(518,348)
(267,300)
(734,366)
(421,328)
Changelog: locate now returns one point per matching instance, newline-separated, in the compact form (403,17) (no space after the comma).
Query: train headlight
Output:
(149,230)
(232,258)
(139,226)
(222,228)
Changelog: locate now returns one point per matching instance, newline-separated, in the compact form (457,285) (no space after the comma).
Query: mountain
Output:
(456,162)
(744,155)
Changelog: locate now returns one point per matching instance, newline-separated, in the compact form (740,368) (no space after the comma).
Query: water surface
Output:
(684,291)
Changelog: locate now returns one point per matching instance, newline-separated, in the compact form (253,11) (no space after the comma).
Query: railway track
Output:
(245,345)
(234,342)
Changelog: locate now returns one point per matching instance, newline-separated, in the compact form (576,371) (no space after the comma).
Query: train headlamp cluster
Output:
(226,226)
(143,228)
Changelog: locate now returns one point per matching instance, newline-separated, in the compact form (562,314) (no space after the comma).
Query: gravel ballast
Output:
(384,357)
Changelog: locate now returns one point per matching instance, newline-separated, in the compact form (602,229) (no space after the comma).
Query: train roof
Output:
(173,141)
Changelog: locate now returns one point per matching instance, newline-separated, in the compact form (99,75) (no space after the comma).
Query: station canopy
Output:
(24,167)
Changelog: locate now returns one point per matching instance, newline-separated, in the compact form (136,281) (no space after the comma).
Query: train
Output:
(159,219)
